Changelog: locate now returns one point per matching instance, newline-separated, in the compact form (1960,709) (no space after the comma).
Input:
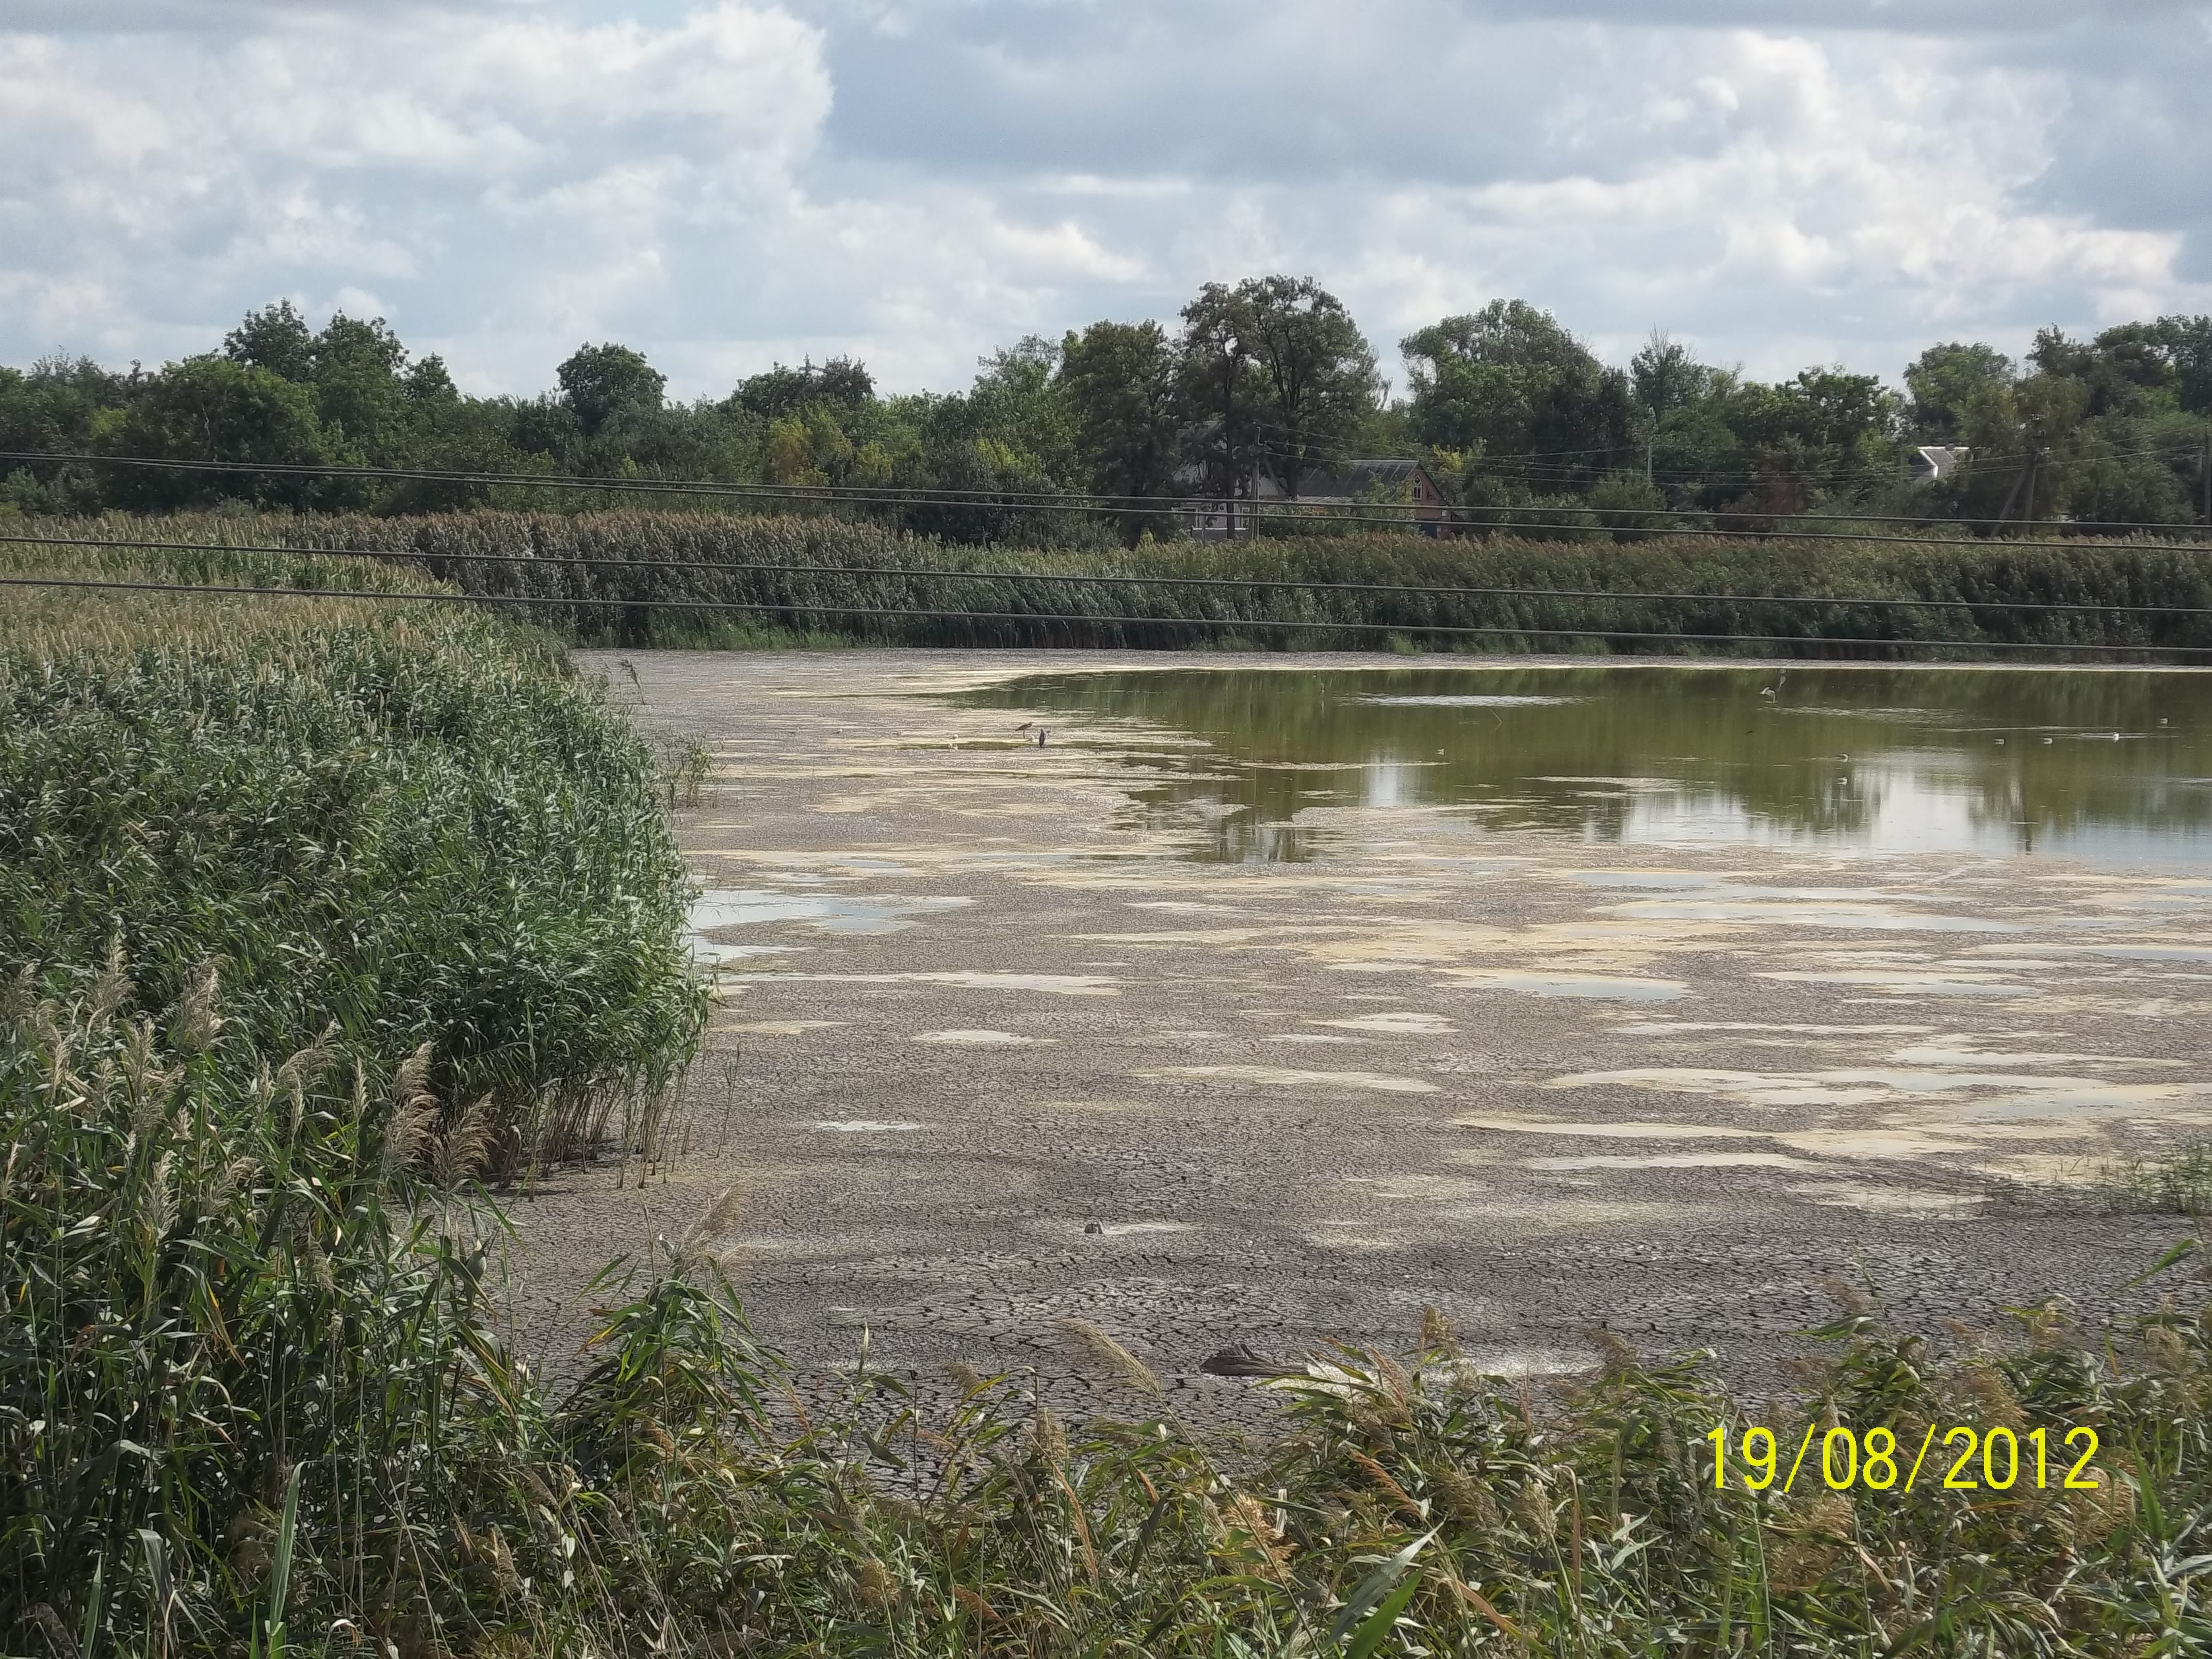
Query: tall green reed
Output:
(648,606)
(423,835)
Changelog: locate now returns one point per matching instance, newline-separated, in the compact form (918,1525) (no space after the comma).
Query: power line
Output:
(1250,583)
(1040,501)
(1229,623)
(1537,461)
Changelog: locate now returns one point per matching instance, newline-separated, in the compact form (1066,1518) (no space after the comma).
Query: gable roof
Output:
(1359,480)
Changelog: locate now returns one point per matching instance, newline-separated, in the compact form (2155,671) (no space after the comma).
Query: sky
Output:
(725,184)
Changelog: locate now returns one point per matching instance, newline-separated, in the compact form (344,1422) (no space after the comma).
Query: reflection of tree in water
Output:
(1596,747)
(1230,827)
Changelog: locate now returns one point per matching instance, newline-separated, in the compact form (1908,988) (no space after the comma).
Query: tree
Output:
(844,383)
(1272,375)
(358,390)
(426,381)
(1217,390)
(1663,377)
(57,408)
(216,409)
(348,346)
(2188,344)
(601,383)
(1018,403)
(1119,380)
(276,338)
(1945,380)
(1317,380)
(1509,383)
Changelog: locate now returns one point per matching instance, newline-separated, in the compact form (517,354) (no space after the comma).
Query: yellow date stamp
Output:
(1970,1460)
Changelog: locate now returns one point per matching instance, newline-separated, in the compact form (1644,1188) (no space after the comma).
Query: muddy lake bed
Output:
(1268,1002)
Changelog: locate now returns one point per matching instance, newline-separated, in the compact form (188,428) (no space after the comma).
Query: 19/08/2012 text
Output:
(1870,1460)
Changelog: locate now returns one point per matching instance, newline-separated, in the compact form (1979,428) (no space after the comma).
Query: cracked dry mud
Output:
(970,1004)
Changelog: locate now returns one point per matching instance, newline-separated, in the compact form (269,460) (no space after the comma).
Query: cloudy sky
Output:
(724,183)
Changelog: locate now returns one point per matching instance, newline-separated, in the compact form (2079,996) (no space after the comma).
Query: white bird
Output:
(1765,690)
(1999,743)
(2050,740)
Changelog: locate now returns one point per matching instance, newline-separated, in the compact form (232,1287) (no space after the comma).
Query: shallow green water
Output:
(2114,768)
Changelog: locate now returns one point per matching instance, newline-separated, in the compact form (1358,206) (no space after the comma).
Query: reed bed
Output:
(864,586)
(257,1400)
(304,922)
(399,827)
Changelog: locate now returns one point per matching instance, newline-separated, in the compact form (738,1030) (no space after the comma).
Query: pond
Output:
(2109,767)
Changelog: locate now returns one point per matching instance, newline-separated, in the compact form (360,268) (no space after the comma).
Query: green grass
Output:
(2179,1183)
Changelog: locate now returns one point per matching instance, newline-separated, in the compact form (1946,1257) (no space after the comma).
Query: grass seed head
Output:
(1103,1348)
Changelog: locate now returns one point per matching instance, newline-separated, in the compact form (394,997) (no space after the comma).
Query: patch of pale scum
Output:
(1670,1161)
(1394,1024)
(1888,1201)
(2044,1169)
(1638,1131)
(1421,1187)
(1559,1214)
(1349,1241)
(1963,1052)
(1601,986)
(863,1126)
(1220,936)
(1669,1027)
(1066,985)
(1316,1037)
(1897,982)
(1873,1142)
(1135,1228)
(960,1038)
(1830,915)
(1873,1086)
(783,1027)
(1379,1082)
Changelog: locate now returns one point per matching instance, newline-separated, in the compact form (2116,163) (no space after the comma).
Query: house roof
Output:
(1939,460)
(1357,480)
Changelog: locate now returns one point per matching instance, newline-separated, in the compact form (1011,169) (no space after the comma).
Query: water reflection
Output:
(2112,767)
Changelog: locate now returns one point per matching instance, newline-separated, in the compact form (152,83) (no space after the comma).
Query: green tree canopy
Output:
(275,338)
(1508,382)
(216,409)
(1944,381)
(1119,380)
(600,383)
(1316,380)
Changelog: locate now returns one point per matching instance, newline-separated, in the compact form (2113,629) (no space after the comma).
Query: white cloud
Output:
(723,183)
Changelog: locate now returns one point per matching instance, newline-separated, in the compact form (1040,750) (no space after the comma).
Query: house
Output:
(1380,486)
(1934,463)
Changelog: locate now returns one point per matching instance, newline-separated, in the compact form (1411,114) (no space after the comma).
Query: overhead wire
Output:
(1085,501)
(1242,583)
(1229,623)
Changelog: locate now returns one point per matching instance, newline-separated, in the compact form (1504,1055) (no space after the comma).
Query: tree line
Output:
(1265,386)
